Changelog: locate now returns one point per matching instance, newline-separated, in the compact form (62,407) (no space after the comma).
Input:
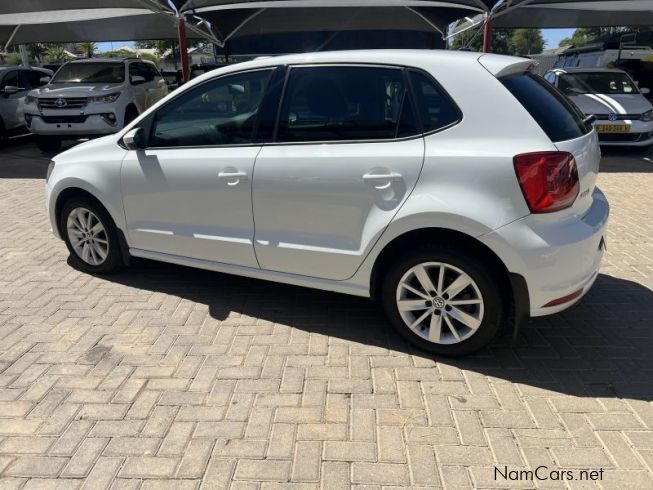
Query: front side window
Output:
(93,72)
(345,103)
(219,112)
(34,78)
(12,79)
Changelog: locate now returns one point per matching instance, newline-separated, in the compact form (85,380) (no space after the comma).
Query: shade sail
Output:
(234,23)
(146,25)
(579,13)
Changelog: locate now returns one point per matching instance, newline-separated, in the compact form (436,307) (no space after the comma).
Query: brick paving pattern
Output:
(167,377)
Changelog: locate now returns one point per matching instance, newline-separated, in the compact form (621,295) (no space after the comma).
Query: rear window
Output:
(560,119)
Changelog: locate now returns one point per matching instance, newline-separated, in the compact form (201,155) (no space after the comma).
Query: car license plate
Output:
(612,128)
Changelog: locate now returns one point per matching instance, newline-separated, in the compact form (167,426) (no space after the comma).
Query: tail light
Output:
(548,180)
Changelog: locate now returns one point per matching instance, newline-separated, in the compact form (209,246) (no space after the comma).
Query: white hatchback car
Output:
(381,174)
(92,97)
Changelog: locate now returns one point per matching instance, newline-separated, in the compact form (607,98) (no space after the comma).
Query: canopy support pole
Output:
(183,50)
(487,34)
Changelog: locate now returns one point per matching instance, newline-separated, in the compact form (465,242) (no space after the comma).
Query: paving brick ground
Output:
(169,377)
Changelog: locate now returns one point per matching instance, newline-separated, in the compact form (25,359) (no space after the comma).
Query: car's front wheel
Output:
(91,237)
(48,144)
(443,300)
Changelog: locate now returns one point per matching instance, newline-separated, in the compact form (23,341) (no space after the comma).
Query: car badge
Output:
(612,116)
(60,103)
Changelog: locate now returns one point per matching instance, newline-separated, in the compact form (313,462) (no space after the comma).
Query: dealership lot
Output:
(167,374)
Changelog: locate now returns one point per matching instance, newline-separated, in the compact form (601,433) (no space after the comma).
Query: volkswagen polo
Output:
(457,189)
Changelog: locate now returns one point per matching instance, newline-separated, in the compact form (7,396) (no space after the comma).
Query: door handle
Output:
(232,176)
(390,176)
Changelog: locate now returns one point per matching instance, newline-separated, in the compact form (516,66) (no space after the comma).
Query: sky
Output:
(551,36)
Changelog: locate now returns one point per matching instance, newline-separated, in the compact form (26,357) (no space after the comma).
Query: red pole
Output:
(487,35)
(183,51)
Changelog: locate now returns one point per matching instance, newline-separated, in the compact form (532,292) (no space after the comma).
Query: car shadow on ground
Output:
(21,159)
(623,160)
(599,348)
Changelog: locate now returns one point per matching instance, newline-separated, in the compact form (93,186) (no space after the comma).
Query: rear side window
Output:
(557,116)
(435,108)
(345,103)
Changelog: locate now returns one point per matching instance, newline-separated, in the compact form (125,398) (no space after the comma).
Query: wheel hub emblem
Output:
(612,116)
(439,303)
(60,103)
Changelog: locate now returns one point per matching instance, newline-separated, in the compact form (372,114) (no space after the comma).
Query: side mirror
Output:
(12,89)
(645,90)
(134,140)
(136,79)
(44,80)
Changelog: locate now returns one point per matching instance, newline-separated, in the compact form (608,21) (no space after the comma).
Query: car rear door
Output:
(346,156)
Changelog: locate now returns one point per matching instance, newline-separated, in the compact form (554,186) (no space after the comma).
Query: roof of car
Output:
(100,60)
(399,57)
(35,68)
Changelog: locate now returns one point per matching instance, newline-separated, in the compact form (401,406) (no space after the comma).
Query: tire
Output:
(48,144)
(484,318)
(74,214)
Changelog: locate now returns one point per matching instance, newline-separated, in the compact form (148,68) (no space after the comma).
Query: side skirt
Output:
(296,280)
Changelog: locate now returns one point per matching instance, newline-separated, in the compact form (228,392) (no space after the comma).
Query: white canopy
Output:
(27,21)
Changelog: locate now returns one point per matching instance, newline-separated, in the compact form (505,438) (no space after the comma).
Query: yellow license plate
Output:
(612,128)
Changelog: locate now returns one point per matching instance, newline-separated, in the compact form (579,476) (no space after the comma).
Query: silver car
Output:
(623,116)
(15,83)
(373,173)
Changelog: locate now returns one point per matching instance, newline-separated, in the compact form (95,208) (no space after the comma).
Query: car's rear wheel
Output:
(91,237)
(443,300)
(48,144)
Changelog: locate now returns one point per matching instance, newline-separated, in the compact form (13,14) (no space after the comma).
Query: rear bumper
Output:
(555,258)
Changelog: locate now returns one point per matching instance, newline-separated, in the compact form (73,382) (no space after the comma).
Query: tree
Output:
(472,39)
(583,35)
(55,52)
(527,41)
(87,48)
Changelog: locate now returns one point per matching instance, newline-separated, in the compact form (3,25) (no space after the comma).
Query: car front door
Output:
(11,102)
(346,156)
(189,192)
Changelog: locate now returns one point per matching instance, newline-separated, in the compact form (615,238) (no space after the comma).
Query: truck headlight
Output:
(647,116)
(107,99)
(30,99)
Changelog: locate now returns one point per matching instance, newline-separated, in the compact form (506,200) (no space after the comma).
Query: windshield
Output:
(597,83)
(90,73)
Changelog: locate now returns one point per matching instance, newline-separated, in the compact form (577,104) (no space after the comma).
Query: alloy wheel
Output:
(87,236)
(440,302)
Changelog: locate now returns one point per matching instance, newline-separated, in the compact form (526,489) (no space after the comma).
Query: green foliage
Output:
(55,52)
(472,39)
(12,59)
(583,35)
(163,45)
(504,41)
(87,48)
(527,41)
